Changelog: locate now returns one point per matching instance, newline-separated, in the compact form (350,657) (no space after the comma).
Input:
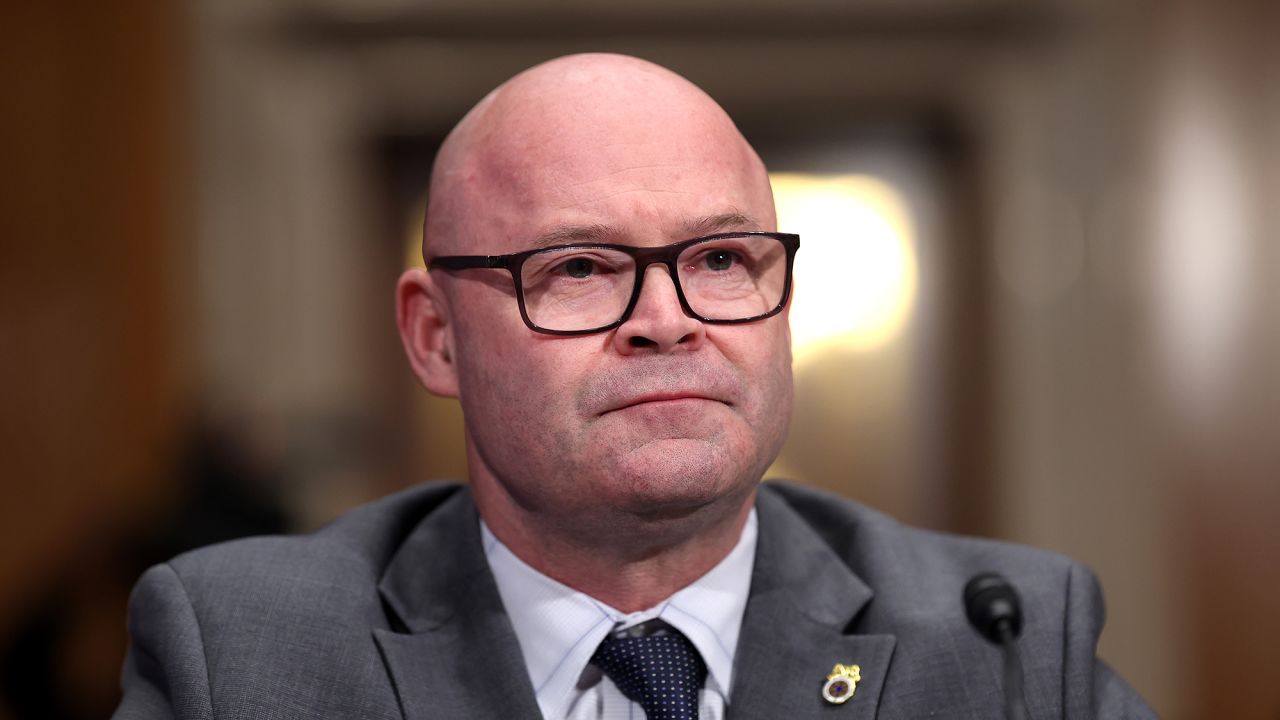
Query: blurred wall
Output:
(207,207)
(91,298)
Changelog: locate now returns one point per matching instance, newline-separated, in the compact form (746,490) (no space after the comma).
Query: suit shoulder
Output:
(266,626)
(346,556)
(897,559)
(915,580)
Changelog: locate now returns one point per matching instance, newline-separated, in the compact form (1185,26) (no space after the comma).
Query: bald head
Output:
(567,134)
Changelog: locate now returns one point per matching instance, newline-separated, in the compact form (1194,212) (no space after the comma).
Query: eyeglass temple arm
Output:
(467,262)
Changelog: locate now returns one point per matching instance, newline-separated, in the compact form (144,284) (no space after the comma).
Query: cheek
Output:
(774,391)
(763,356)
(762,353)
(491,340)
(776,403)
(518,391)
(500,382)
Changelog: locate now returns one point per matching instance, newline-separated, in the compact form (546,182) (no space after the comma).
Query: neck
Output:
(629,562)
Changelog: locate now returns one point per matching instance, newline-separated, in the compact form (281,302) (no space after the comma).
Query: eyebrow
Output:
(706,225)
(576,233)
(732,220)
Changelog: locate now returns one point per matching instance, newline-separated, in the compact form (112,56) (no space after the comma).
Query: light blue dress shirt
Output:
(559,629)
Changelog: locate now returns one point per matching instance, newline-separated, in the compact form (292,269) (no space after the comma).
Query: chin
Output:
(676,477)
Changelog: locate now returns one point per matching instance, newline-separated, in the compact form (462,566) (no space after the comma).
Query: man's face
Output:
(661,416)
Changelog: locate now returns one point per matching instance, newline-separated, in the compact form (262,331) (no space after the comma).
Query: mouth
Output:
(658,398)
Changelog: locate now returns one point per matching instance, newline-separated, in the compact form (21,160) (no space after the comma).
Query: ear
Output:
(423,318)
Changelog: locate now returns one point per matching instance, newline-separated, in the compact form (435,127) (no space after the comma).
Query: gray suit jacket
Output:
(391,612)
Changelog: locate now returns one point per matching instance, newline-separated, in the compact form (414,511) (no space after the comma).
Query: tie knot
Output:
(662,672)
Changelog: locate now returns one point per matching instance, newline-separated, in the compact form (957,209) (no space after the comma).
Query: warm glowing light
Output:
(856,271)
(1202,248)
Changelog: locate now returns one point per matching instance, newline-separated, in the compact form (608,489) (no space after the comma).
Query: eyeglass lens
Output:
(727,278)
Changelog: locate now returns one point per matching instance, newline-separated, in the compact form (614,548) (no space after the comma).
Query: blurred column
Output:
(91,299)
(1215,345)
(1079,467)
(294,284)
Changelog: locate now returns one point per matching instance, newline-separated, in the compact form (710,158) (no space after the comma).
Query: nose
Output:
(658,323)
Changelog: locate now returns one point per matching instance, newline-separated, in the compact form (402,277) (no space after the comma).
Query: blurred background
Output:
(1037,294)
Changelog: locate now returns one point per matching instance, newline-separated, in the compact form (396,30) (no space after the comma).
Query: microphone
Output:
(995,611)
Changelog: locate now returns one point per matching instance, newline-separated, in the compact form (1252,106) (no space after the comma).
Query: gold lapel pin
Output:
(841,683)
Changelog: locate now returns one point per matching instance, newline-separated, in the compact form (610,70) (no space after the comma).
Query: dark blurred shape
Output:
(53,667)
(333,25)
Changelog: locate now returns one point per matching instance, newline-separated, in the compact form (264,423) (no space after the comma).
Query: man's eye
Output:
(720,260)
(578,268)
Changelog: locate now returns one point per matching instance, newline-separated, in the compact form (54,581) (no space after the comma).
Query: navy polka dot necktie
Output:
(661,672)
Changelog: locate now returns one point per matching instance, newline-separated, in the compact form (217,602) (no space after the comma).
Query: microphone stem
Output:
(1015,702)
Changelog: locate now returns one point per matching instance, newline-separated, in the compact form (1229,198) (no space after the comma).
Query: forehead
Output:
(648,171)
(637,189)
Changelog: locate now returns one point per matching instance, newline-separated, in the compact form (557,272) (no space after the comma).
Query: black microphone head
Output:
(992,604)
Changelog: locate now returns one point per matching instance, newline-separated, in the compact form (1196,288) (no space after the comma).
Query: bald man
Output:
(606,295)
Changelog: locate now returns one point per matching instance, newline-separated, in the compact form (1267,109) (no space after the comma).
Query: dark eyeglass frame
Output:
(643,256)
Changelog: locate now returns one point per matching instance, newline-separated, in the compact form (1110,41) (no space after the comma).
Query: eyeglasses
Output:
(585,288)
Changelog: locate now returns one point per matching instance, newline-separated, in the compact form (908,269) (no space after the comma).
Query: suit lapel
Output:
(803,599)
(458,656)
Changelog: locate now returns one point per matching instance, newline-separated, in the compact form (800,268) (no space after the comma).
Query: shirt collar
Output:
(559,628)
